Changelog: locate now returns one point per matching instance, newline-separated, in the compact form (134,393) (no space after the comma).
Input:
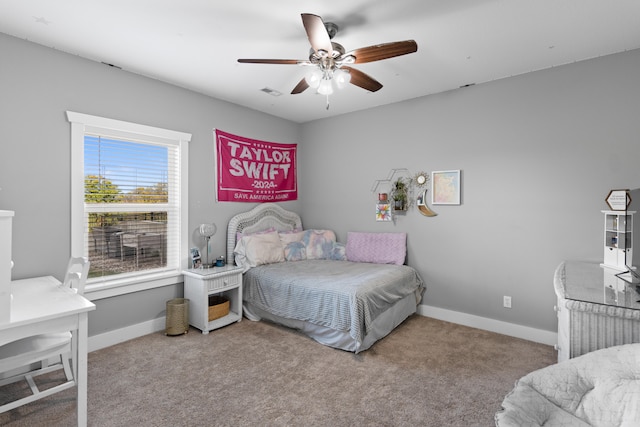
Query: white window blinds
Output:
(132,199)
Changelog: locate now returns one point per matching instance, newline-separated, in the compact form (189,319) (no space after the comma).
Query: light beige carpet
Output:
(425,373)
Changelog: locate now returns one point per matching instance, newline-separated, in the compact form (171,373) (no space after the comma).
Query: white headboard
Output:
(262,217)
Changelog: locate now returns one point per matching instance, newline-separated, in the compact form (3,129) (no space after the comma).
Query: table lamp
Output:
(206,231)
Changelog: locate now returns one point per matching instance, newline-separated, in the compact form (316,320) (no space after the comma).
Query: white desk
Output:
(40,306)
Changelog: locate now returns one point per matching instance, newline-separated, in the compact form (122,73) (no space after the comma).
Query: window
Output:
(129,203)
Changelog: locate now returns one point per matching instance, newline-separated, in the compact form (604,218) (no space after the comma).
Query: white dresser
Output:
(596,308)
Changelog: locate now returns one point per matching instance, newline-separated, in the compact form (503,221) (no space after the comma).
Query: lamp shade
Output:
(207,230)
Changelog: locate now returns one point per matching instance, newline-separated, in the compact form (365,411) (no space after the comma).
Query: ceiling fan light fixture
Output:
(313,78)
(325,87)
(341,77)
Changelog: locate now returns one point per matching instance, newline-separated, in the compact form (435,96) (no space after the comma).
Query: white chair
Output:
(76,275)
(17,356)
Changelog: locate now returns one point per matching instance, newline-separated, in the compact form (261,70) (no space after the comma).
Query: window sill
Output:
(100,290)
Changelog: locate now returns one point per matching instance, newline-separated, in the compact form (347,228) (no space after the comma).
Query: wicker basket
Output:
(177,316)
(218,307)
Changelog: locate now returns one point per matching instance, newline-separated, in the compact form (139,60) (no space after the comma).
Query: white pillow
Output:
(259,249)
(287,237)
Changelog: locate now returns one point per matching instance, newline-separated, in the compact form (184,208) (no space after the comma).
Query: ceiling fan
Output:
(330,63)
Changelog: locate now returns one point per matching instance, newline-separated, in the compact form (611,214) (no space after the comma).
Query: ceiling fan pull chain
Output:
(327,102)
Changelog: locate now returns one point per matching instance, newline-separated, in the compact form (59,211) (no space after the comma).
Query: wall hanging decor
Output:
(401,186)
(445,187)
(400,194)
(392,186)
(248,170)
(421,203)
(618,200)
(420,180)
(383,208)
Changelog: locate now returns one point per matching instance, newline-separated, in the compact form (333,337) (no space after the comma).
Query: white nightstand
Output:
(199,283)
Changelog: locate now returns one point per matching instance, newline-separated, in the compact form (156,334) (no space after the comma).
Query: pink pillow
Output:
(378,248)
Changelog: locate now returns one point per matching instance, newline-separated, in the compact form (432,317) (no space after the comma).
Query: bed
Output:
(346,296)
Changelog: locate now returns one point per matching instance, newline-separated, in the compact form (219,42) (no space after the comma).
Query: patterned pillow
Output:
(378,248)
(338,253)
(295,251)
(319,243)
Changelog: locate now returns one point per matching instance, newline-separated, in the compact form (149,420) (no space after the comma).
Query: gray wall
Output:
(37,86)
(538,153)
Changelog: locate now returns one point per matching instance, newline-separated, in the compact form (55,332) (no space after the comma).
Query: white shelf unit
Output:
(200,283)
(618,238)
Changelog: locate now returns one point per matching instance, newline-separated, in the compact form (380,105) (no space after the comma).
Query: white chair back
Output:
(76,275)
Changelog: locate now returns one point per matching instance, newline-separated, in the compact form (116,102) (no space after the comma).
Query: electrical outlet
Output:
(506,301)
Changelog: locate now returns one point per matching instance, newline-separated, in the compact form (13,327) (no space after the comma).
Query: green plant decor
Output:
(399,194)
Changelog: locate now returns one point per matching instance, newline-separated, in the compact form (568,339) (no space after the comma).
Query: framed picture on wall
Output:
(445,187)
(383,212)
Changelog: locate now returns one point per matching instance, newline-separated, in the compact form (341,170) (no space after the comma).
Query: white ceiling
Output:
(195,44)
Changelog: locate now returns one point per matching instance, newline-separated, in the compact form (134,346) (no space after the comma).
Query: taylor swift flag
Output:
(248,170)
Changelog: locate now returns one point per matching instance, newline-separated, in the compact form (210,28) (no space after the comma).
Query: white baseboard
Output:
(97,342)
(500,327)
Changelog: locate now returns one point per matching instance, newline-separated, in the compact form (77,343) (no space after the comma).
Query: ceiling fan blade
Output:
(300,87)
(273,61)
(363,80)
(317,33)
(382,51)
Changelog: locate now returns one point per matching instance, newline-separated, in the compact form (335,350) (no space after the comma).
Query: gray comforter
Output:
(341,295)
